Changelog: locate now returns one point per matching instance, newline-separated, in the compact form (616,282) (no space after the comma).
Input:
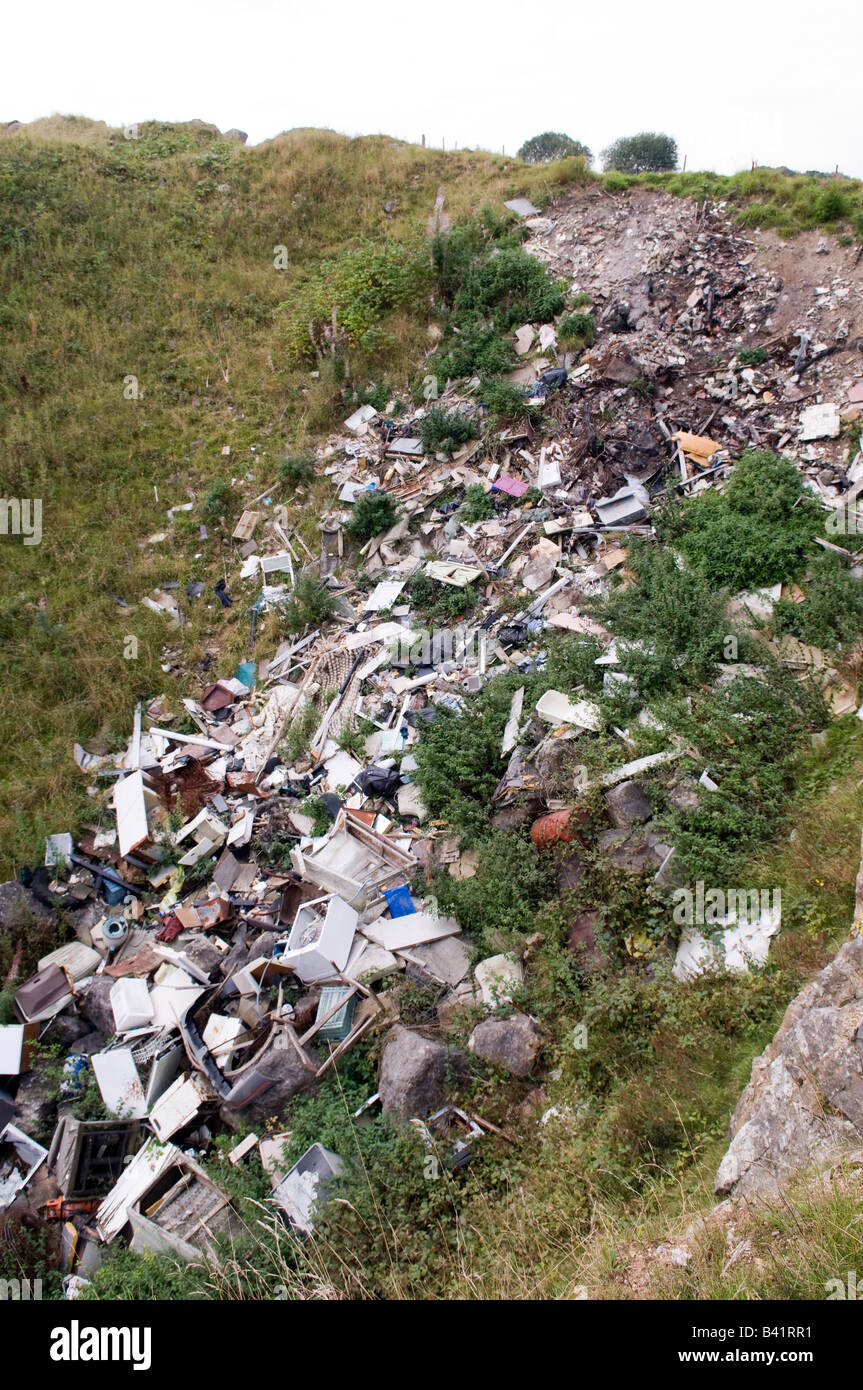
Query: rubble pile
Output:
(246,901)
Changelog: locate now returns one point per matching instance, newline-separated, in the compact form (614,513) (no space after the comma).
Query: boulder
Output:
(95,1005)
(511,818)
(582,940)
(282,1073)
(627,805)
(412,1076)
(804,1103)
(511,1043)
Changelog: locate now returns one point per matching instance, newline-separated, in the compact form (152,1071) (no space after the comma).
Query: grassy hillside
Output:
(142,334)
(153,259)
(146,330)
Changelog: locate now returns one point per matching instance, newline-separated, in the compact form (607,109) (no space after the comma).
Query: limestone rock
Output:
(413,1073)
(804,1103)
(511,1043)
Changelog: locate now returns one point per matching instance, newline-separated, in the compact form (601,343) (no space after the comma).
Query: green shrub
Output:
(219,500)
(444,431)
(373,513)
(577,331)
(477,504)
(459,764)
(441,602)
(746,736)
(296,471)
(508,402)
(510,287)
(476,348)
(365,283)
(673,613)
(511,882)
(758,530)
(317,808)
(310,604)
(752,357)
(831,616)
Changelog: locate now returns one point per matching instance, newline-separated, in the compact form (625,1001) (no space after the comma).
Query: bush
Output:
(635,154)
(444,431)
(508,402)
(746,735)
(552,145)
(511,882)
(459,764)
(672,614)
(752,357)
(310,604)
(296,471)
(831,615)
(441,602)
(373,512)
(365,284)
(511,288)
(219,500)
(475,349)
(577,331)
(758,530)
(477,504)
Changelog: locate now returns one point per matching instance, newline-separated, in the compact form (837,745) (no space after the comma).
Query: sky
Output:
(774,81)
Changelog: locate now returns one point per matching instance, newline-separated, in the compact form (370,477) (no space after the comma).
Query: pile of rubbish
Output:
(243,903)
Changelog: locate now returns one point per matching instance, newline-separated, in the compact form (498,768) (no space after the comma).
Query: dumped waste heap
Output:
(532,591)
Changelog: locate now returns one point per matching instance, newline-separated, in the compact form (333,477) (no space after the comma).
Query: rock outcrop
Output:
(804,1103)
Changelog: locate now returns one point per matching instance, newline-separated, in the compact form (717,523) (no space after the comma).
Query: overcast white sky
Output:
(731,80)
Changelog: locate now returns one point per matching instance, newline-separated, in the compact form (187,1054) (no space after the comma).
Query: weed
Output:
(576,331)
(508,402)
(758,530)
(752,357)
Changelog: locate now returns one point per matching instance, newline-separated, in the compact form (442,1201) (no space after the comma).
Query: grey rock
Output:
(413,1074)
(513,817)
(240,136)
(511,1043)
(18,907)
(202,953)
(804,1103)
(627,805)
(95,1005)
(70,1029)
(286,1075)
(36,1105)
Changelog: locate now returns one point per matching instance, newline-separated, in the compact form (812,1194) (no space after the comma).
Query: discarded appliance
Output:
(88,1156)
(20,1157)
(321,938)
(354,858)
(306,1187)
